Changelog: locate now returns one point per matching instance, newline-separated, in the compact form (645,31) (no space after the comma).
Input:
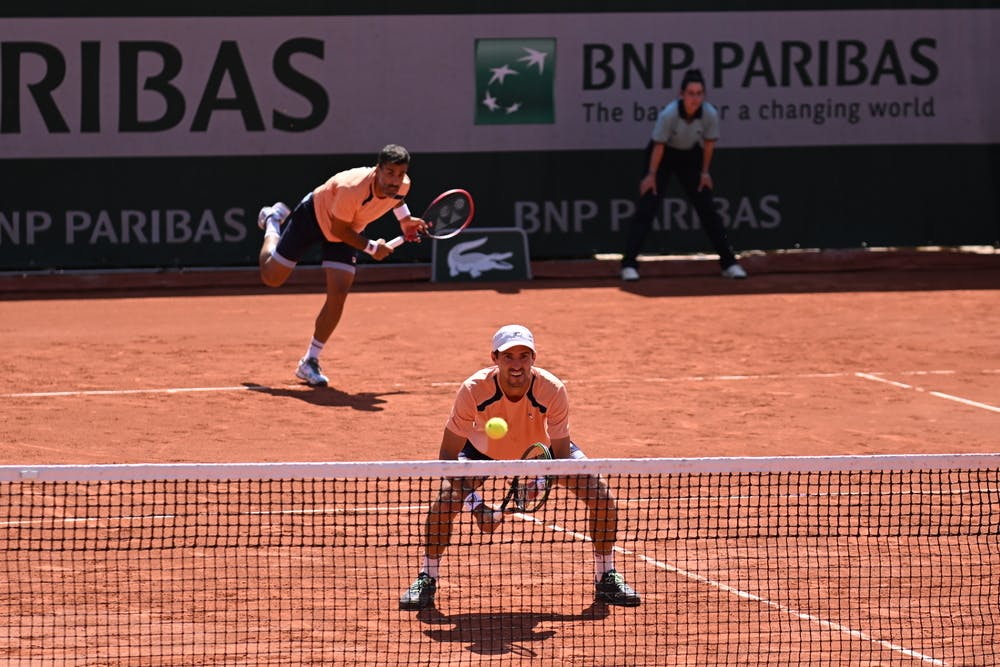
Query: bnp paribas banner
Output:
(294,85)
(154,141)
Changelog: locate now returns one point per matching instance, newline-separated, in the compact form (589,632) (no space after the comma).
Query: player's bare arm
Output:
(410,226)
(451,445)
(560,448)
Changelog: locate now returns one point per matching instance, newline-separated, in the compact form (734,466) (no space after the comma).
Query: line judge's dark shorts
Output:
(302,231)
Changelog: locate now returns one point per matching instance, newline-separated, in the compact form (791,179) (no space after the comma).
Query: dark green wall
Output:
(777,198)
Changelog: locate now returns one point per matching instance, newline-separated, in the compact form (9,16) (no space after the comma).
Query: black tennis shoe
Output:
(613,590)
(420,594)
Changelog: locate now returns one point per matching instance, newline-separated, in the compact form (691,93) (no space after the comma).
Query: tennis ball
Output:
(496,428)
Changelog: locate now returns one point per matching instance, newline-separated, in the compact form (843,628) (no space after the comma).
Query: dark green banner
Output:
(201,212)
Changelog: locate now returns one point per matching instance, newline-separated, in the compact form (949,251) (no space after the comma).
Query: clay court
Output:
(839,363)
(785,364)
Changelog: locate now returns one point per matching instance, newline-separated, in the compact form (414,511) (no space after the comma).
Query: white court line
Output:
(823,623)
(124,392)
(726,588)
(938,394)
(602,380)
(794,496)
(107,520)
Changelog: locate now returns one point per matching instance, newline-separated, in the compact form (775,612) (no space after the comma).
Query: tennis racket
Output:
(528,494)
(448,214)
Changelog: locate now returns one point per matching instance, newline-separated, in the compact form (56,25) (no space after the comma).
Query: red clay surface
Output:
(670,367)
(792,364)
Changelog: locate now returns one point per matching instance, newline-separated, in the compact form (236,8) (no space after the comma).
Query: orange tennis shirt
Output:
(350,196)
(539,416)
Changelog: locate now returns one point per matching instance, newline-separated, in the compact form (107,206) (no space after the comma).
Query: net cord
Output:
(437,468)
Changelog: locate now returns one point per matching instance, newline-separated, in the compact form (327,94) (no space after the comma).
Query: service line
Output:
(902,385)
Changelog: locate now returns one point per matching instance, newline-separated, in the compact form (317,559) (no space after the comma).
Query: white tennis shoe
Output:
(309,371)
(630,273)
(734,271)
(278,210)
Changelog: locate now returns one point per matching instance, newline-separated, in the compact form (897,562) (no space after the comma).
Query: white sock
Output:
(603,563)
(272,228)
(315,349)
(472,501)
(272,225)
(431,566)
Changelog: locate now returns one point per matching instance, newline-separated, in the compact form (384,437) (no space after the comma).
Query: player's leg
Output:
(455,495)
(602,520)
(338,270)
(609,586)
(441,517)
(487,520)
(602,511)
(438,527)
(287,238)
(339,280)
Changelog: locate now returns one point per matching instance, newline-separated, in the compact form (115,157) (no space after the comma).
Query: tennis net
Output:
(739,561)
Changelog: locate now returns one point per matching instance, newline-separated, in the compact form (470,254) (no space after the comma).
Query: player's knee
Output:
(442,513)
(271,281)
(273,275)
(602,503)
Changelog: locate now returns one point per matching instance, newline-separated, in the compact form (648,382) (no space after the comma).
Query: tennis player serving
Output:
(333,216)
(535,406)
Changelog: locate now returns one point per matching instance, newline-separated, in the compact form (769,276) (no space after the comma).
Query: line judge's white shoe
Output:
(734,271)
(278,210)
(630,273)
(309,371)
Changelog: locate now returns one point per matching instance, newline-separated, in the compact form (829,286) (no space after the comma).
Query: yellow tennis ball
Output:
(496,428)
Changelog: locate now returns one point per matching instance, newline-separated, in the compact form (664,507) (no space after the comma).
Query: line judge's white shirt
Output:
(676,132)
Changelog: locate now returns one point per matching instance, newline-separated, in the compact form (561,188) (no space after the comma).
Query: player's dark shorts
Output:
(302,231)
(470,453)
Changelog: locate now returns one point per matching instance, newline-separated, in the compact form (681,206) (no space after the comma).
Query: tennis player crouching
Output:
(535,405)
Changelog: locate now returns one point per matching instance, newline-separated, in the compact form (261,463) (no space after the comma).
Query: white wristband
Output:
(371,247)
(472,501)
(402,212)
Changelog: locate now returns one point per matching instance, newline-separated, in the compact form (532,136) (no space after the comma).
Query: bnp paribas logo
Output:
(515,81)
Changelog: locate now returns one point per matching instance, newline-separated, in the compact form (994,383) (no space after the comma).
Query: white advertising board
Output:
(470,83)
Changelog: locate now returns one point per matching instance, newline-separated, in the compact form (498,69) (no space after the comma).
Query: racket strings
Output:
(527,491)
(449,213)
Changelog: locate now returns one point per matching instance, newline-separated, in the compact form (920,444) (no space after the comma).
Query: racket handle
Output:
(396,242)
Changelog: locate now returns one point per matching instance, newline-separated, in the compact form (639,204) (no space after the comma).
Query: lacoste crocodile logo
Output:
(476,263)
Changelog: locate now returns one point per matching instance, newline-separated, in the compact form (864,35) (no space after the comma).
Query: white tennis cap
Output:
(512,335)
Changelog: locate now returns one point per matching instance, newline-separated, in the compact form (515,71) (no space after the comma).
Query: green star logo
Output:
(515,81)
